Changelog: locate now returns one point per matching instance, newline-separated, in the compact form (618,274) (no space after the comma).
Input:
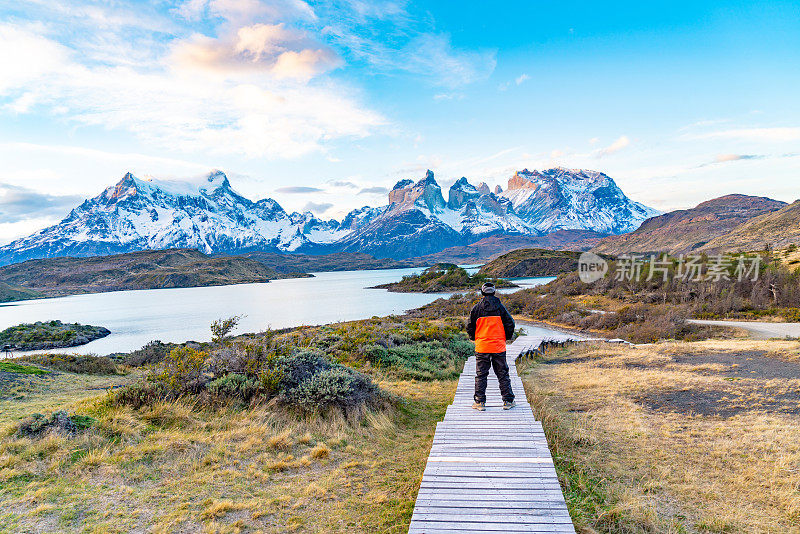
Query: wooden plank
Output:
(490,471)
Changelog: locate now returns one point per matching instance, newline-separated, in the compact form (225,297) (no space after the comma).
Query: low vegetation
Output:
(311,369)
(73,363)
(50,335)
(443,277)
(280,431)
(674,437)
(638,323)
(646,311)
(775,293)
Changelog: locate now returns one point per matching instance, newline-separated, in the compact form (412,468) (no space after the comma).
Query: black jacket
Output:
(490,306)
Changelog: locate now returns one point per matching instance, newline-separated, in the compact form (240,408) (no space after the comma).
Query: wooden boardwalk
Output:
(490,471)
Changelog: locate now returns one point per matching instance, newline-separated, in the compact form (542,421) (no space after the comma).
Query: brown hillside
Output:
(777,229)
(682,231)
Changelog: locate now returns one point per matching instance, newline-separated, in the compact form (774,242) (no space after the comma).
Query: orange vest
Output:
(490,336)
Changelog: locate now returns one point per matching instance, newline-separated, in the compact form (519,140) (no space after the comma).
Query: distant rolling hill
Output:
(683,231)
(776,229)
(136,270)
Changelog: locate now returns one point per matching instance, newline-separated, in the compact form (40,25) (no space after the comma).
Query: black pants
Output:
(497,360)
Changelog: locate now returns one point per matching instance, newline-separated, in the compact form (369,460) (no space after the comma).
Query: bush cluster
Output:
(74,363)
(60,421)
(307,380)
(312,368)
(154,352)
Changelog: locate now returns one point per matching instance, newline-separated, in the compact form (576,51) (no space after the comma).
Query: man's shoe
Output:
(480,406)
(508,405)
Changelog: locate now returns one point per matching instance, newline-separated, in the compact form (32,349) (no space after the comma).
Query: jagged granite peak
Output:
(461,192)
(559,198)
(498,189)
(425,193)
(483,189)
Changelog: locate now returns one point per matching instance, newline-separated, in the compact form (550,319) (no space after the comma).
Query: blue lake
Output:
(177,315)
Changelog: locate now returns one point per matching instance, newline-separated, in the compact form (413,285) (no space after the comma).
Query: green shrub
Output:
(336,386)
(182,371)
(74,363)
(60,421)
(143,393)
(154,352)
(234,385)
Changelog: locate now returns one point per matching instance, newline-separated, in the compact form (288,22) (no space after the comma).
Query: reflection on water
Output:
(177,315)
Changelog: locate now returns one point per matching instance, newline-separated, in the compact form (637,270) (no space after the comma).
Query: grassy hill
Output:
(532,262)
(776,229)
(150,269)
(682,231)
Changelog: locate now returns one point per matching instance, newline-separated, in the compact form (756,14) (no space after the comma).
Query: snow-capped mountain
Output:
(564,199)
(418,221)
(139,214)
(208,215)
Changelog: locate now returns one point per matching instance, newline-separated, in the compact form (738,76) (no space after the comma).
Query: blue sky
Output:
(678,101)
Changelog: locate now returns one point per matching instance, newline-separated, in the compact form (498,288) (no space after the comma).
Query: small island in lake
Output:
(532,262)
(50,335)
(440,278)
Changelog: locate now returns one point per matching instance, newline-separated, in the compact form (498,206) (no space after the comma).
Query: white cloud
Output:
(269,48)
(521,78)
(620,143)
(257,114)
(25,57)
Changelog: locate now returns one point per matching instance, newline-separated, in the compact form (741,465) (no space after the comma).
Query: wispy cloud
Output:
(620,143)
(20,203)
(343,183)
(517,81)
(735,157)
(405,43)
(293,190)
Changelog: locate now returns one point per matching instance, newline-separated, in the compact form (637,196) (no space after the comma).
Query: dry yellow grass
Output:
(676,437)
(174,467)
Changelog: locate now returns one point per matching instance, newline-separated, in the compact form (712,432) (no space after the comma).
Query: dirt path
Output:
(758,330)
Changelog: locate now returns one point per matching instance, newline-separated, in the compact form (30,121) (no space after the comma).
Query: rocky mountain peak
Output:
(460,193)
(498,189)
(126,187)
(483,189)
(426,193)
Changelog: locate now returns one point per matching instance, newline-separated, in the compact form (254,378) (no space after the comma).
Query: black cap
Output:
(487,289)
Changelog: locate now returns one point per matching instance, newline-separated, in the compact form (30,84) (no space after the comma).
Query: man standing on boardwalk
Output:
(489,326)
